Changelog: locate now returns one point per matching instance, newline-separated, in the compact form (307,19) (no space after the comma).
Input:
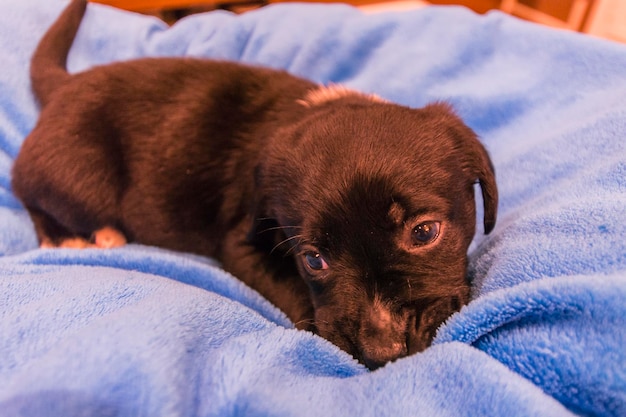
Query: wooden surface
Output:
(605,18)
(140,5)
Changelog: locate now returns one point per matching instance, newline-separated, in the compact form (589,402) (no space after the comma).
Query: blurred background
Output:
(604,18)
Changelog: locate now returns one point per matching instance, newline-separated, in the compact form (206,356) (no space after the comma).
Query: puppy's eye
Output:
(314,261)
(425,233)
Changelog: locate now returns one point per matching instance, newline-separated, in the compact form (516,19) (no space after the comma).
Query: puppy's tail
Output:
(48,65)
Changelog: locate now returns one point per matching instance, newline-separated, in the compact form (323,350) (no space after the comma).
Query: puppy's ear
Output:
(478,166)
(262,233)
(487,180)
(266,233)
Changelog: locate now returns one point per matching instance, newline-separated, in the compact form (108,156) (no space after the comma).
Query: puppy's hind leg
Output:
(53,235)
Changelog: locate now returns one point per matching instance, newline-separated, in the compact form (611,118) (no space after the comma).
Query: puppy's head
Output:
(376,202)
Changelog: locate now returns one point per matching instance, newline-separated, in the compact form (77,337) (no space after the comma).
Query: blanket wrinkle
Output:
(186,268)
(521,327)
(141,331)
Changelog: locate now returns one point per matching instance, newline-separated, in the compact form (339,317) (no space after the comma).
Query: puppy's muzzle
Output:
(386,335)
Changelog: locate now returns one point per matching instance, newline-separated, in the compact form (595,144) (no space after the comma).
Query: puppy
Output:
(351,214)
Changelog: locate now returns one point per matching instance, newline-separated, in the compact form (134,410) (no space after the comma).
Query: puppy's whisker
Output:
(305,321)
(291,250)
(282,242)
(269,229)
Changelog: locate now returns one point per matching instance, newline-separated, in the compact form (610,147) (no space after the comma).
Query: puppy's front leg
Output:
(273,275)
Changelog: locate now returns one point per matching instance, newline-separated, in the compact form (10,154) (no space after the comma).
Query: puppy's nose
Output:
(376,356)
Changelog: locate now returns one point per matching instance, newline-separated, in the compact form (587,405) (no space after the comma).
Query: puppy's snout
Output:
(383,336)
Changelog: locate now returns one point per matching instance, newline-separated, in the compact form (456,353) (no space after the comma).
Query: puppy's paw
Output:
(107,238)
(69,243)
(46,244)
(104,238)
(75,243)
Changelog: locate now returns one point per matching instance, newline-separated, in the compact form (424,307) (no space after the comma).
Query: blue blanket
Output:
(140,331)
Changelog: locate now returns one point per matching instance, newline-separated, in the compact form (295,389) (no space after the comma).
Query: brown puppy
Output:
(351,214)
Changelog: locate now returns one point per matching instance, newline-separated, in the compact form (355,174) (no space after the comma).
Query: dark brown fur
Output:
(327,203)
